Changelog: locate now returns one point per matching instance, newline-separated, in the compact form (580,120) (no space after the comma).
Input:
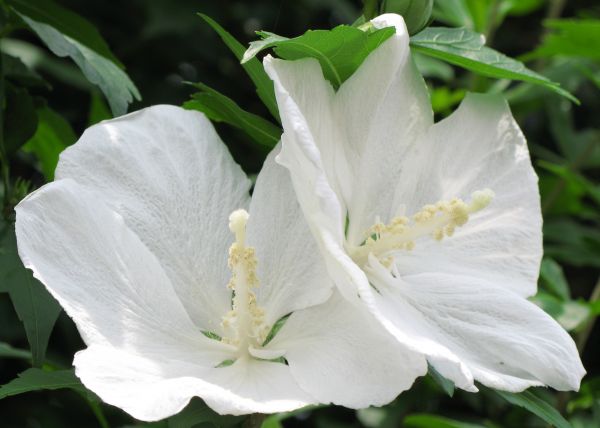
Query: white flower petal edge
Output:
(341,355)
(499,338)
(279,233)
(167,172)
(150,387)
(478,148)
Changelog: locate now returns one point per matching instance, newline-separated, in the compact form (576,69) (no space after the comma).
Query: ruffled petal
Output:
(102,274)
(383,110)
(153,387)
(165,170)
(317,196)
(341,355)
(479,146)
(472,329)
(291,271)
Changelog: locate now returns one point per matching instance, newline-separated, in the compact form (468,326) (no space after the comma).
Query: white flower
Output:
(133,238)
(436,228)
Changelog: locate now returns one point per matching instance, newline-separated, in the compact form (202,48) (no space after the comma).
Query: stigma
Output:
(244,325)
(437,221)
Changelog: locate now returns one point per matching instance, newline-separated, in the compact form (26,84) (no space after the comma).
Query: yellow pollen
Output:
(437,220)
(244,325)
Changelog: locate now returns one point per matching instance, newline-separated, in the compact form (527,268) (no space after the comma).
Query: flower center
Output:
(437,221)
(244,325)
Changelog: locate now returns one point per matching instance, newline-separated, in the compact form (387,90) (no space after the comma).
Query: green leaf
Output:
(553,277)
(571,314)
(572,38)
(20,118)
(427,421)
(466,49)
(571,242)
(53,135)
(264,85)
(537,406)
(198,412)
(7,351)
(65,21)
(446,385)
(431,67)
(98,110)
(220,108)
(34,306)
(340,51)
(15,71)
(114,83)
(38,379)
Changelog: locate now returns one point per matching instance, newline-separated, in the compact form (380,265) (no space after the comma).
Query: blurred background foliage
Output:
(47,102)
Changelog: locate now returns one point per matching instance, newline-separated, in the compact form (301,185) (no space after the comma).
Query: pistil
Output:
(244,324)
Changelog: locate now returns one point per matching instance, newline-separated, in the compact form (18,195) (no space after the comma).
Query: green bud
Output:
(416,13)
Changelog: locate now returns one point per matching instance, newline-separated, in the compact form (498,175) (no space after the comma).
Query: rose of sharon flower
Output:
(144,240)
(435,228)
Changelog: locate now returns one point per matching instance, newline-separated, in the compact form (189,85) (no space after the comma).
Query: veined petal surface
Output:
(167,172)
(341,355)
(292,275)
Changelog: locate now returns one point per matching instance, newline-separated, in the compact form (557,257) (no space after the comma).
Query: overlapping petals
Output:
(370,155)
(132,239)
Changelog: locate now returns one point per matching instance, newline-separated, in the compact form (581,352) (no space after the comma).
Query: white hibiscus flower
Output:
(133,240)
(435,228)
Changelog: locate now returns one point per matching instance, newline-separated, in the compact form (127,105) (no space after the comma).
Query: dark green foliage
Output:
(340,51)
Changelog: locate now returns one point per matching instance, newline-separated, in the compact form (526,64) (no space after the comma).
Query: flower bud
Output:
(416,13)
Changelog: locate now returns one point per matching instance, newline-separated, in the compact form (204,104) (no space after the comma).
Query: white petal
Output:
(291,271)
(154,387)
(102,274)
(299,154)
(479,146)
(499,338)
(341,355)
(383,111)
(165,170)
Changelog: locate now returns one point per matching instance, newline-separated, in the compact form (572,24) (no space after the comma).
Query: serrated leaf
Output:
(221,108)
(264,85)
(340,51)
(7,351)
(65,21)
(537,406)
(53,135)
(466,49)
(33,304)
(423,420)
(553,277)
(118,89)
(38,379)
